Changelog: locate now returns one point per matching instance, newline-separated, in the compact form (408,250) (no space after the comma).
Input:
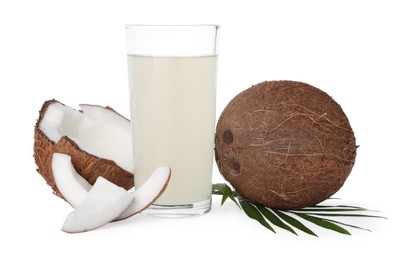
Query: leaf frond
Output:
(288,219)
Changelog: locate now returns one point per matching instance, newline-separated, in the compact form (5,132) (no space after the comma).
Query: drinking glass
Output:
(172,83)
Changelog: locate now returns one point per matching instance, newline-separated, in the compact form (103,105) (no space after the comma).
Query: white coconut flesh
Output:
(148,192)
(96,130)
(104,202)
(72,186)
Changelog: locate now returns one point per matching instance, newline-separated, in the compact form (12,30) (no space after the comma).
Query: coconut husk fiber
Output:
(284,144)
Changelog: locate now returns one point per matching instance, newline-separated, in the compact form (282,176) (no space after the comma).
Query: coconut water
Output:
(173,119)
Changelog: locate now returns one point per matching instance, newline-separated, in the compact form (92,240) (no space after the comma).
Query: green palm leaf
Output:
(225,190)
(274,219)
(284,219)
(294,222)
(338,208)
(252,212)
(324,223)
(348,225)
(343,215)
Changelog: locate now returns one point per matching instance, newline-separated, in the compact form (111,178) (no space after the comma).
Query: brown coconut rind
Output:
(87,165)
(284,144)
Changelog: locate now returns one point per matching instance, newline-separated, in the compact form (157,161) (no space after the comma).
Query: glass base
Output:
(179,211)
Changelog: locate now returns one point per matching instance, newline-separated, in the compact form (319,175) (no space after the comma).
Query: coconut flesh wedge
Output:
(71,185)
(104,202)
(147,193)
(98,205)
(98,139)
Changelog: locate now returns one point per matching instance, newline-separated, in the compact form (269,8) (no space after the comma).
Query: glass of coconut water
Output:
(172,83)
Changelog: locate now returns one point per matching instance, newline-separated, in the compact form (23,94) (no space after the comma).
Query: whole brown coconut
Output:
(284,144)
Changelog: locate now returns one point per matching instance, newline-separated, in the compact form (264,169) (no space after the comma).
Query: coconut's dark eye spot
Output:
(233,166)
(227,137)
(236,166)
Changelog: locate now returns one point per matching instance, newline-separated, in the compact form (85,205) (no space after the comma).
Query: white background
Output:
(365,54)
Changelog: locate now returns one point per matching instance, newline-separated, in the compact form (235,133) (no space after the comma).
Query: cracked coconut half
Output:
(86,157)
(98,139)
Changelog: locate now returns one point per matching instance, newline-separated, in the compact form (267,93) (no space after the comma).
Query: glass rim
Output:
(129,26)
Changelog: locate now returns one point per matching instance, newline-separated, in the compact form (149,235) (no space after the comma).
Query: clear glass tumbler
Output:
(172,79)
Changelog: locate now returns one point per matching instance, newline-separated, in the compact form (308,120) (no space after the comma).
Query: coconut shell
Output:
(87,165)
(284,144)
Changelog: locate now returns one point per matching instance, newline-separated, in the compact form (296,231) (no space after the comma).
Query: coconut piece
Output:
(284,144)
(71,185)
(107,135)
(148,193)
(98,141)
(75,188)
(104,202)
